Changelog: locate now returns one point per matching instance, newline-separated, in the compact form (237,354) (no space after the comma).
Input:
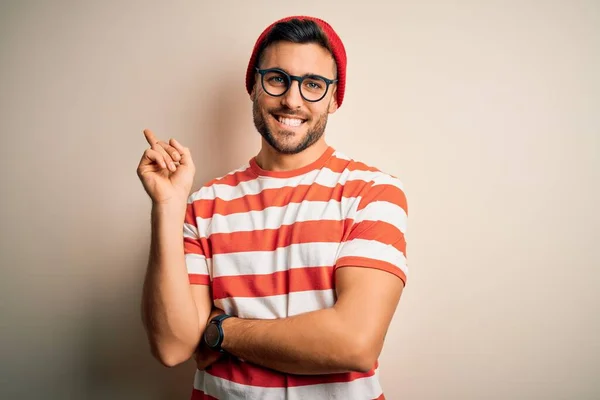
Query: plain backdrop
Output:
(489,112)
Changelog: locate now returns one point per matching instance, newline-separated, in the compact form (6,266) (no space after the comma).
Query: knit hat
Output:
(337,48)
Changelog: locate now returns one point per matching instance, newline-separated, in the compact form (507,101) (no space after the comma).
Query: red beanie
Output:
(337,48)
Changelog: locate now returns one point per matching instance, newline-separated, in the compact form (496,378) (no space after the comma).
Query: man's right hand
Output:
(166,171)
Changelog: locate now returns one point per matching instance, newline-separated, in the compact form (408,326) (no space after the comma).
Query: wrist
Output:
(215,311)
(213,335)
(228,327)
(173,210)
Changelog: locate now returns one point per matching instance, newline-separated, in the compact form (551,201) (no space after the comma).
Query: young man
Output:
(288,270)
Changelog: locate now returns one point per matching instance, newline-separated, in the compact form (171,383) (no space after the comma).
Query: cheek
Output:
(259,104)
(264,100)
(316,112)
(259,96)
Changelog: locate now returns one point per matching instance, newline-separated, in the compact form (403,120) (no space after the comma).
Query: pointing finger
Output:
(150,138)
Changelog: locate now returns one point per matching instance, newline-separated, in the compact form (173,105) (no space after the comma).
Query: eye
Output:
(276,79)
(314,84)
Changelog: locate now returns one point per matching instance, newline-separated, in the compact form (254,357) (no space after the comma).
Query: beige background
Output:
(488,111)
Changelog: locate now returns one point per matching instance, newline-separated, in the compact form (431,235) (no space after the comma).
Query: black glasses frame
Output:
(291,78)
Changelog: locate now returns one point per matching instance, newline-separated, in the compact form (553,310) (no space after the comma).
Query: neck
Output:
(271,160)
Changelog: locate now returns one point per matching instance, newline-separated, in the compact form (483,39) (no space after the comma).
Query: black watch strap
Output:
(213,334)
(220,318)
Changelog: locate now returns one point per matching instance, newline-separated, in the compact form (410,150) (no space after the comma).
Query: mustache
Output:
(290,112)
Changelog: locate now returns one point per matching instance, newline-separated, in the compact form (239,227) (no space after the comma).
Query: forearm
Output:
(170,315)
(318,342)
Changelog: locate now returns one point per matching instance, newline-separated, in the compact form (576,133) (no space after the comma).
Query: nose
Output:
(292,98)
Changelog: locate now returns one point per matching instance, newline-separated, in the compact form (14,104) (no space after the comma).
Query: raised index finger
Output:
(150,138)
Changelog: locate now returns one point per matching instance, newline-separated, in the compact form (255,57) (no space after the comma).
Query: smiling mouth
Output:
(291,122)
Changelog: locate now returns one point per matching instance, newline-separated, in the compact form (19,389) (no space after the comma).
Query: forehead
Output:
(299,59)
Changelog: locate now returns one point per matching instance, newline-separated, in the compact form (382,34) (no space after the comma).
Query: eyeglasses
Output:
(277,82)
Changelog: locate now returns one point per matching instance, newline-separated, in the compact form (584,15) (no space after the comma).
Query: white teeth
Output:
(290,121)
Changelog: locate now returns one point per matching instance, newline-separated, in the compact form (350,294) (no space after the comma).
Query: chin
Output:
(287,146)
(286,138)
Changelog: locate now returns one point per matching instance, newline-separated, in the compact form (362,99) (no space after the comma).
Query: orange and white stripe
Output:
(269,243)
(224,383)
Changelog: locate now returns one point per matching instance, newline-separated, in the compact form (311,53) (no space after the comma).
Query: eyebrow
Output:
(307,74)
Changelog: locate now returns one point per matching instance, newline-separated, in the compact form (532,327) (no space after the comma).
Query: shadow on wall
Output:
(226,136)
(118,364)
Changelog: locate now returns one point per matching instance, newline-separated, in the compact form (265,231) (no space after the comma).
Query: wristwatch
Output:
(213,334)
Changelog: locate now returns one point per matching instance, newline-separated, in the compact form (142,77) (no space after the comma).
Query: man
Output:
(288,270)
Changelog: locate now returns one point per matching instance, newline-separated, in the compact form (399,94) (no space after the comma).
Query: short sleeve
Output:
(376,236)
(195,247)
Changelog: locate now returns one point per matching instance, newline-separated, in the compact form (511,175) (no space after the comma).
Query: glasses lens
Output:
(275,83)
(313,88)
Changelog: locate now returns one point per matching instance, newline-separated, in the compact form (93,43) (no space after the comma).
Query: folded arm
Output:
(347,337)
(173,312)
(370,273)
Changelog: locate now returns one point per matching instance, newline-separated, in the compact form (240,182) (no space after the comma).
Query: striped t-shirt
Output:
(268,243)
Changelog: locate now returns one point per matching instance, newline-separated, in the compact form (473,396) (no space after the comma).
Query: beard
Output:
(282,143)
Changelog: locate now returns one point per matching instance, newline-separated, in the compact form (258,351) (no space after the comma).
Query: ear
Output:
(333,104)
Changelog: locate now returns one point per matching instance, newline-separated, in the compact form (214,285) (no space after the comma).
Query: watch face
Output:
(211,335)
